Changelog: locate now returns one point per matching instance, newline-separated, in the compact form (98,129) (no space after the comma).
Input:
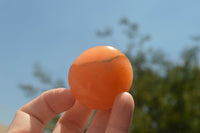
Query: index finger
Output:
(33,116)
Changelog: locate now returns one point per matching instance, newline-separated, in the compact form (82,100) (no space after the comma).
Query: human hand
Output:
(32,117)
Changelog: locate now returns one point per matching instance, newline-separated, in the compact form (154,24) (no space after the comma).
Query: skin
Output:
(32,117)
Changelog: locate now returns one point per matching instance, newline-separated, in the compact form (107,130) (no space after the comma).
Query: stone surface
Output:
(98,75)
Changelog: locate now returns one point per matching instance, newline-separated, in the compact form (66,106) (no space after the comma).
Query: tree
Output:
(166,93)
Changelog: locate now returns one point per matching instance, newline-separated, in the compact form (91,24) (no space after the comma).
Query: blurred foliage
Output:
(104,33)
(166,92)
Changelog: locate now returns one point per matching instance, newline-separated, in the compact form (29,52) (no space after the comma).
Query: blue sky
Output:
(54,33)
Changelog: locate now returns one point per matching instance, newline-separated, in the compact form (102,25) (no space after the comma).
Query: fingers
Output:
(121,115)
(74,120)
(33,116)
(99,122)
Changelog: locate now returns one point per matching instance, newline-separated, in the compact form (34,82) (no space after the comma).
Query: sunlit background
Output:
(47,35)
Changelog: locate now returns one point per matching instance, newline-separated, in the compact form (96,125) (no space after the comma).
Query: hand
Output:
(32,117)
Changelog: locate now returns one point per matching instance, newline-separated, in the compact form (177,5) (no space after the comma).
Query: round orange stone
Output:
(98,75)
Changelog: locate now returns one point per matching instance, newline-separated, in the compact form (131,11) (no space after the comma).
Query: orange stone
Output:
(98,75)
